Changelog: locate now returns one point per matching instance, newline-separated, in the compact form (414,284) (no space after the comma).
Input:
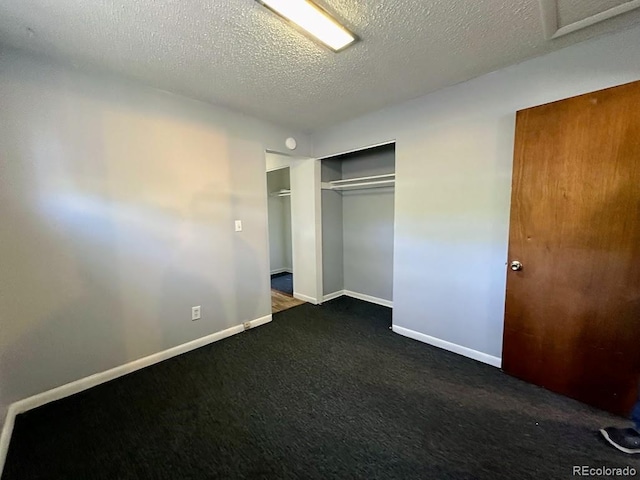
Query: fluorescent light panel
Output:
(314,21)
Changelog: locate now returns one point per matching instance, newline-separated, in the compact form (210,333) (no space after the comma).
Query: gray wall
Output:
(332,234)
(454,151)
(117,205)
(279,220)
(368,226)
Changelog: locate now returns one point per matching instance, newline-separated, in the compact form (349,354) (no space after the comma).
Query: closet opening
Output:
(358,198)
(280,240)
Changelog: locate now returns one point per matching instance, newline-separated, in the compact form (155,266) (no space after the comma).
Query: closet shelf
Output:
(373,181)
(281,193)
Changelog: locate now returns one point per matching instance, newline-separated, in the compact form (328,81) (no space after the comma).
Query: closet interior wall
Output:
(358,225)
(279,221)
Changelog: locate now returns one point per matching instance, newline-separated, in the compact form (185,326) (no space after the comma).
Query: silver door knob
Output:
(515,266)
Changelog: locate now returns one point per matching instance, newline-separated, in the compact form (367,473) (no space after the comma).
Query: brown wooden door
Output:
(572,320)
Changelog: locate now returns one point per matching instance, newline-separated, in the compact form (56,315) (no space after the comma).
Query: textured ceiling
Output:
(237,54)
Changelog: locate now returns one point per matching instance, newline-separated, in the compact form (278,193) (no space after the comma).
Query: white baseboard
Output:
(305,298)
(369,298)
(333,295)
(82,384)
(359,296)
(261,321)
(281,270)
(5,437)
(451,347)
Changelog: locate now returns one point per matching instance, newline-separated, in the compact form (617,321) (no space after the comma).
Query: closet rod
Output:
(358,179)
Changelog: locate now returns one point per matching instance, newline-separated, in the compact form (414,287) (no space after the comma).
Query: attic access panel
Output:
(561,17)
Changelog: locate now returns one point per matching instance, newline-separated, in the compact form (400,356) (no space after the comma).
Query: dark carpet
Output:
(320,393)
(283,282)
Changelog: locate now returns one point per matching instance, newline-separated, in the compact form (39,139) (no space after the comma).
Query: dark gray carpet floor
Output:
(283,282)
(320,393)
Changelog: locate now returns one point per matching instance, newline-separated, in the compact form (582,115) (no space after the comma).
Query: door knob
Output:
(515,266)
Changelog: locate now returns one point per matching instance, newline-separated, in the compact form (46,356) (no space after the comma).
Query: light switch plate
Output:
(238,225)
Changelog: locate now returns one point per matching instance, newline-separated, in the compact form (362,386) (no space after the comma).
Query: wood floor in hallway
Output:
(281,301)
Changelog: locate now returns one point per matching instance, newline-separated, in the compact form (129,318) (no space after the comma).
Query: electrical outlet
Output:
(246,325)
(196,312)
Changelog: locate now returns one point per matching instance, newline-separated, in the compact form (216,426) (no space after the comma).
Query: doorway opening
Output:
(358,202)
(280,240)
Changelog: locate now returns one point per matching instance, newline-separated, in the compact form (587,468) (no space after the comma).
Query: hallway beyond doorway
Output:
(283,282)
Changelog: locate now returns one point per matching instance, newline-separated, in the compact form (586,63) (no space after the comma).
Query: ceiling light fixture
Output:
(313,20)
